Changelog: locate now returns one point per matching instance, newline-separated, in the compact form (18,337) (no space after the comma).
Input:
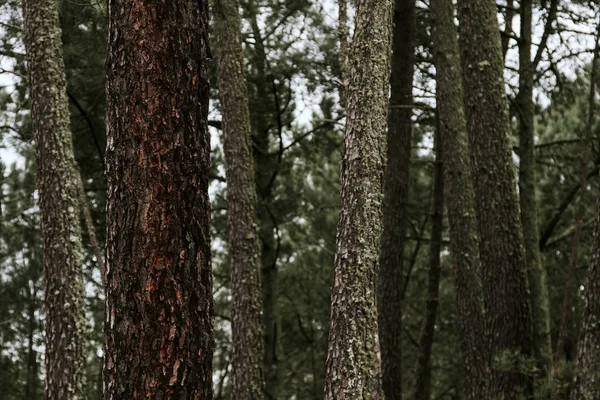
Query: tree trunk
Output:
(536,273)
(588,360)
(395,199)
(351,357)
(31,384)
(266,172)
(159,334)
(422,386)
(89,223)
(244,245)
(587,379)
(460,200)
(506,293)
(58,200)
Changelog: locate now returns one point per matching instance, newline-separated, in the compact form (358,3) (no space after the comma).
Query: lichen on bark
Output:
(351,358)
(57,183)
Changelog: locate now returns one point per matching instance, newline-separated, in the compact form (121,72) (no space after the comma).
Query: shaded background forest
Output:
(293,74)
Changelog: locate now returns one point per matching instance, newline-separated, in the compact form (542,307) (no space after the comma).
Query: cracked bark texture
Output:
(587,380)
(540,309)
(351,357)
(159,307)
(244,244)
(460,200)
(57,183)
(506,292)
(395,198)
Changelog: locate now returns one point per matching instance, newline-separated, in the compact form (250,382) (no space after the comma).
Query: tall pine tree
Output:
(159,304)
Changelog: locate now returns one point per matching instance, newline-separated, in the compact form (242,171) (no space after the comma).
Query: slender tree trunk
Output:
(159,333)
(506,293)
(58,200)
(89,223)
(460,199)
(422,386)
(351,358)
(509,16)
(395,198)
(266,171)
(588,360)
(244,244)
(31,385)
(343,35)
(586,375)
(540,307)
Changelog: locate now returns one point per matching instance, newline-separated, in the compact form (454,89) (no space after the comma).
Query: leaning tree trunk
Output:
(351,357)
(540,307)
(58,187)
(395,198)
(506,292)
(460,200)
(244,244)
(159,307)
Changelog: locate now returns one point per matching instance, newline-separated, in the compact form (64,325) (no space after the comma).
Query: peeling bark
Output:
(244,244)
(351,357)
(57,183)
(159,307)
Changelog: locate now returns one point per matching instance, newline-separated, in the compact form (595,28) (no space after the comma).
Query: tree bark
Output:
(587,371)
(351,358)
(460,199)
(395,198)
(422,386)
(266,171)
(588,360)
(536,273)
(509,16)
(244,244)
(159,307)
(58,201)
(343,33)
(89,223)
(506,294)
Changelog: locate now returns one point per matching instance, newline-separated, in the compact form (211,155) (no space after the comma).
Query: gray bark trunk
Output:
(242,222)
(351,358)
(57,182)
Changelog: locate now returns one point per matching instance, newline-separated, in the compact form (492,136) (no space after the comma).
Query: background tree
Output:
(460,200)
(244,245)
(506,296)
(396,184)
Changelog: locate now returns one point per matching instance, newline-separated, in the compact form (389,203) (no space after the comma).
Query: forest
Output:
(299,199)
